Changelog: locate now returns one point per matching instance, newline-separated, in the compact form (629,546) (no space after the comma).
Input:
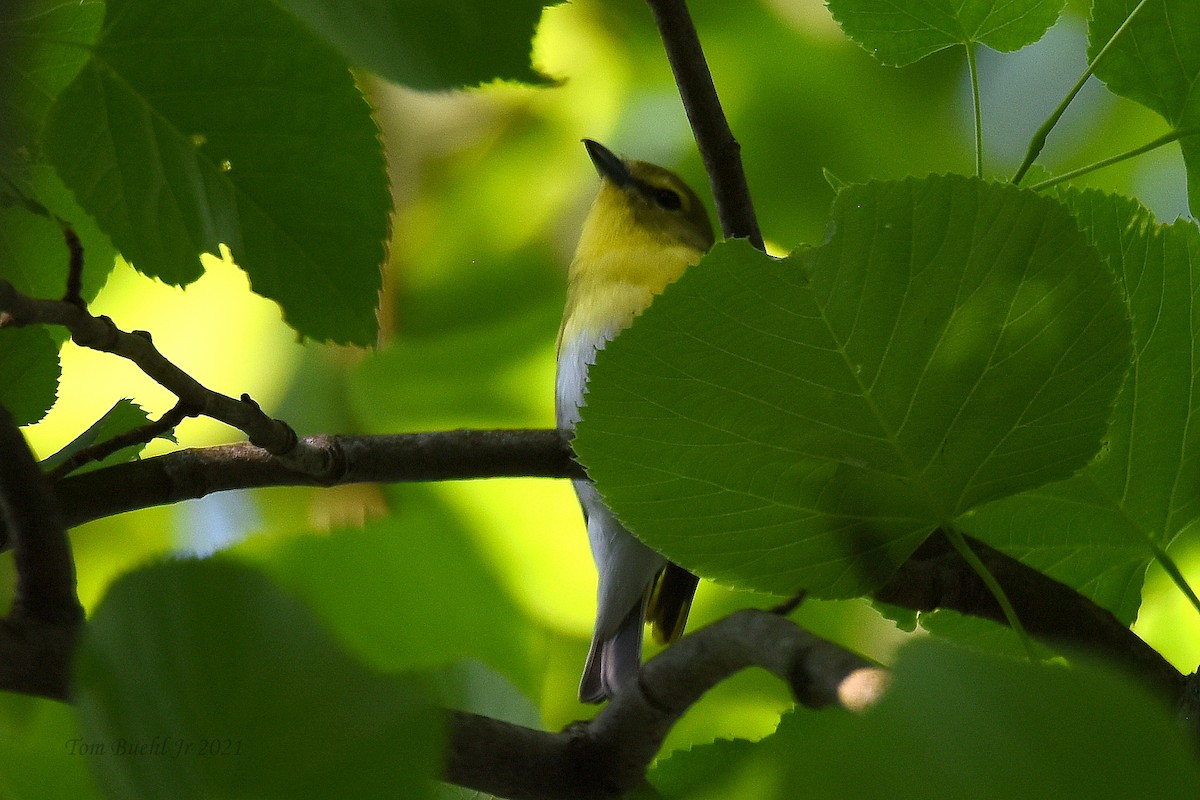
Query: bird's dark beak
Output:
(608,164)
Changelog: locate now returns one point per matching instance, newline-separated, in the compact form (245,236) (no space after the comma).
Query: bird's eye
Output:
(667,199)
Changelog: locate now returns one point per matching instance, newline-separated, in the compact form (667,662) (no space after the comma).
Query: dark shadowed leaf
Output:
(29,373)
(43,45)
(205,680)
(1093,530)
(429,44)
(957,724)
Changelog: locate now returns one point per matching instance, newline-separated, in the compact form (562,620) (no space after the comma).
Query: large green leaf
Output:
(43,44)
(429,44)
(1156,62)
(203,679)
(225,121)
(806,423)
(899,32)
(1092,531)
(404,563)
(29,373)
(39,742)
(956,724)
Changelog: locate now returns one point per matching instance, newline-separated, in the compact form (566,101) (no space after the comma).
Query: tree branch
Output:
(608,756)
(935,576)
(437,456)
(100,333)
(39,634)
(720,151)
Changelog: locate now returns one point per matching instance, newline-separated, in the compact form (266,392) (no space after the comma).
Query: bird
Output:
(644,229)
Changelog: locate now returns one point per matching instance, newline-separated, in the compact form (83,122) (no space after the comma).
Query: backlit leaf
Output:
(807,422)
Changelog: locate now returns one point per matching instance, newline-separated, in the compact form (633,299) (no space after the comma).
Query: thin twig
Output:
(719,150)
(139,435)
(74,293)
(933,577)
(791,604)
(100,333)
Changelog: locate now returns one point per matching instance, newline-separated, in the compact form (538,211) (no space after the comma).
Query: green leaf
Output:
(43,45)
(1091,531)
(899,32)
(469,685)
(37,737)
(835,183)
(688,772)
(123,417)
(29,373)
(957,724)
(981,635)
(203,679)
(1156,62)
(33,253)
(809,422)
(225,121)
(401,563)
(429,44)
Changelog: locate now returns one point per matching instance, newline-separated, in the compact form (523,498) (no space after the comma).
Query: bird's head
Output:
(649,198)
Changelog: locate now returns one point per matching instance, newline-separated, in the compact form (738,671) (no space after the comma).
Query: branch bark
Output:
(608,756)
(100,333)
(718,148)
(437,456)
(38,636)
(935,576)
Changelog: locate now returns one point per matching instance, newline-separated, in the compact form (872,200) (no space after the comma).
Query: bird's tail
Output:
(613,661)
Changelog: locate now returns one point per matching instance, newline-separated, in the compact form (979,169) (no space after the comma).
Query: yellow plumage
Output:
(645,228)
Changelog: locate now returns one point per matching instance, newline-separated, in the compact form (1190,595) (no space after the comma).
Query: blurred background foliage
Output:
(491,186)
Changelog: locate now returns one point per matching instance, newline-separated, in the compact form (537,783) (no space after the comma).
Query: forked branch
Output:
(608,756)
(102,334)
